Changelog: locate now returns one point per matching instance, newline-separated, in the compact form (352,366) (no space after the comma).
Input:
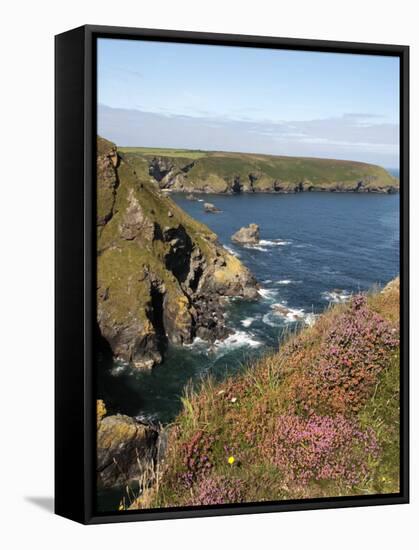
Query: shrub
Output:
(195,457)
(346,367)
(217,490)
(320,448)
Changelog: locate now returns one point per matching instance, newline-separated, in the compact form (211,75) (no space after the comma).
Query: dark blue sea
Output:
(315,249)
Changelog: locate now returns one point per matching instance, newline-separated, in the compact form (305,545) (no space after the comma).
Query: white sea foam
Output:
(238,339)
(288,315)
(284,282)
(336,296)
(197,343)
(272,320)
(232,251)
(303,245)
(255,247)
(248,321)
(267,293)
(274,242)
(119,368)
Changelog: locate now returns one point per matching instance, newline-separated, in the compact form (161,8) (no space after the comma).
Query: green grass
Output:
(153,151)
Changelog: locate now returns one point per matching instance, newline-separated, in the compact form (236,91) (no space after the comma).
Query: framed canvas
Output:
(231,274)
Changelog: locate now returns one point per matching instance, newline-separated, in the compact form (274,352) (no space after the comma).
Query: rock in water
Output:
(247,235)
(161,275)
(209,207)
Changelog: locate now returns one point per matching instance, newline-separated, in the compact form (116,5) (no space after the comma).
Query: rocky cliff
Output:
(127,449)
(162,277)
(221,172)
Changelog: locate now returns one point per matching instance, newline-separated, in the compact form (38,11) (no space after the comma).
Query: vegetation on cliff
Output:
(161,276)
(318,418)
(222,172)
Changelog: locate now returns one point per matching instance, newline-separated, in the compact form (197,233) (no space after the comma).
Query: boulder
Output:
(209,207)
(126,450)
(247,235)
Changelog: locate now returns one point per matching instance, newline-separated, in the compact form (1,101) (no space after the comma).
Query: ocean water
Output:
(315,249)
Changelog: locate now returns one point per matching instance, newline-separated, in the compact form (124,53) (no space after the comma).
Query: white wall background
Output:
(26,274)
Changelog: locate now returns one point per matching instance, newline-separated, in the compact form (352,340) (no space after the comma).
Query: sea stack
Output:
(209,207)
(247,235)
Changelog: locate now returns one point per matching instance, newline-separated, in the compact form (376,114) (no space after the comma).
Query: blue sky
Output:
(247,99)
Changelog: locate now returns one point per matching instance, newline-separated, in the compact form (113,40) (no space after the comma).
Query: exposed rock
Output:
(126,450)
(247,235)
(161,167)
(191,197)
(233,173)
(106,162)
(100,410)
(161,275)
(209,207)
(134,221)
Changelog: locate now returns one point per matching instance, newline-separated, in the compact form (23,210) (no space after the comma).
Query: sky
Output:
(156,94)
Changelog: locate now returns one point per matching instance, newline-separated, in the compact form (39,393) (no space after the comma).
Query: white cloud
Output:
(355,136)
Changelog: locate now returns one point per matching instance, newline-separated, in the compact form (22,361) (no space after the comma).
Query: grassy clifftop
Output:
(318,418)
(222,172)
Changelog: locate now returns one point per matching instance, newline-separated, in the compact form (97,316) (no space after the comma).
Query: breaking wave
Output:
(238,339)
(267,293)
(273,242)
(336,296)
(232,251)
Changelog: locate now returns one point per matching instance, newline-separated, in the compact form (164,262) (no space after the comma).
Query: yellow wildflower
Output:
(231,460)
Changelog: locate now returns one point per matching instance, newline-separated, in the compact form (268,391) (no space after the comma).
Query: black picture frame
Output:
(75,249)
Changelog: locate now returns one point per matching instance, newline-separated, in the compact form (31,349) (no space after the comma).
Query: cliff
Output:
(222,172)
(162,277)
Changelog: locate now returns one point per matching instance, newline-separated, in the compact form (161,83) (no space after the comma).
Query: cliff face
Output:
(218,172)
(161,276)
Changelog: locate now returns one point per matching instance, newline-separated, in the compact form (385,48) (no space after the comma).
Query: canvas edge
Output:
(82,507)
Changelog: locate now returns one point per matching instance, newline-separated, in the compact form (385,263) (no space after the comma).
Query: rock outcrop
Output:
(127,450)
(211,208)
(247,235)
(235,173)
(162,277)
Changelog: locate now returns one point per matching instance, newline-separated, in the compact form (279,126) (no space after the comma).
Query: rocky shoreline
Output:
(188,176)
(163,277)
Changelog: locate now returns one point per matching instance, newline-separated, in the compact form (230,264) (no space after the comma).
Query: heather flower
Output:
(217,490)
(321,448)
(196,457)
(352,354)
